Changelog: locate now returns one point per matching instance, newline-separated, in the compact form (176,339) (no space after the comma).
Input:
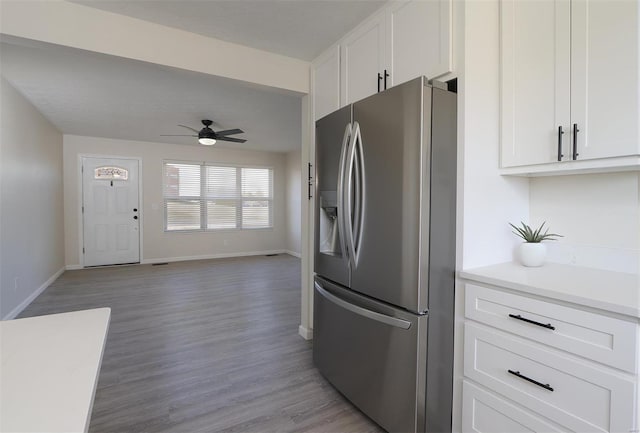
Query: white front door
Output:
(111,212)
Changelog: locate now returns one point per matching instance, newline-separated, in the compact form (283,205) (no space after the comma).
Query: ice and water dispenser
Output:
(329,232)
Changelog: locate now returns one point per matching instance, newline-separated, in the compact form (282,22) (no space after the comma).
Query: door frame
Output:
(80,186)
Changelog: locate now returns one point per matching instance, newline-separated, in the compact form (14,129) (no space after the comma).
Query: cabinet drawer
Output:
(574,394)
(593,336)
(484,412)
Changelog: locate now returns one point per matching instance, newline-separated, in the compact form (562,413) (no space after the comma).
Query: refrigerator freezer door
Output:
(395,132)
(373,354)
(330,256)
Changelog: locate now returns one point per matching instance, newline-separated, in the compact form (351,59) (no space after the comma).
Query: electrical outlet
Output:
(574,259)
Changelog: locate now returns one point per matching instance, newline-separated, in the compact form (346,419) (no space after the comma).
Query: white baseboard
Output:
(211,256)
(293,253)
(305,333)
(201,257)
(13,313)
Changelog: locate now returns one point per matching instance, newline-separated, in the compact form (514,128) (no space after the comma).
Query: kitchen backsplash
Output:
(598,214)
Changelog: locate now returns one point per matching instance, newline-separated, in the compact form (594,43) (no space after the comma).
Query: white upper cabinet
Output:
(363,60)
(419,39)
(400,42)
(569,86)
(604,77)
(535,71)
(326,82)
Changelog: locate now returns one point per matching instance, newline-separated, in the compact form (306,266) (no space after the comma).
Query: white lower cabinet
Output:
(485,412)
(534,365)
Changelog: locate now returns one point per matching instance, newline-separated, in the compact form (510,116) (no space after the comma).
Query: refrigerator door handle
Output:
(360,199)
(354,185)
(342,234)
(373,315)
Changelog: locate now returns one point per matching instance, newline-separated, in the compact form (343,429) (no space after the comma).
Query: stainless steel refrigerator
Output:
(385,254)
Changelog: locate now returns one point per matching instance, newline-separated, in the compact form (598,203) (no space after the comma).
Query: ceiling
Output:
(91,94)
(294,28)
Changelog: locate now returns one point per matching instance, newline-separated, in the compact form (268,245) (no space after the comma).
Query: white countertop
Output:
(49,369)
(605,290)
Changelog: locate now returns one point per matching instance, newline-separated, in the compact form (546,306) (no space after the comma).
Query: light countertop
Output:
(615,292)
(49,369)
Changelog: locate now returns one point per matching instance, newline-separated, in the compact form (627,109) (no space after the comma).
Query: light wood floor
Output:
(204,346)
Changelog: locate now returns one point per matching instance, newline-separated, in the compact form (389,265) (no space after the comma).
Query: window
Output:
(217,197)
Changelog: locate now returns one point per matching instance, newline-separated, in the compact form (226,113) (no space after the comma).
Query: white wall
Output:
(31,212)
(598,215)
(487,202)
(490,201)
(157,245)
(307,207)
(293,209)
(78,26)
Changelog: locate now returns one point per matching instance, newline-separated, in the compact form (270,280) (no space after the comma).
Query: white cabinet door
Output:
(579,395)
(363,58)
(419,39)
(326,83)
(484,412)
(535,80)
(604,77)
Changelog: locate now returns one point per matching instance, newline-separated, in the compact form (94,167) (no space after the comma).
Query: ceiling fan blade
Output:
(188,127)
(234,140)
(230,132)
(181,135)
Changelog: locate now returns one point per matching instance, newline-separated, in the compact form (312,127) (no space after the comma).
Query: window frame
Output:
(203,199)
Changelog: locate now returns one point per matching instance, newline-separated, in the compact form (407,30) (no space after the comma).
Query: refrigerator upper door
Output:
(333,134)
(393,213)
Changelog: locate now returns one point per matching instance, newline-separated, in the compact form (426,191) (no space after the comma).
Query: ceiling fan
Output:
(208,136)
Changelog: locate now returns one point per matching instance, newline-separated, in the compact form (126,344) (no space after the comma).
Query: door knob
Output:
(135,209)
(135,217)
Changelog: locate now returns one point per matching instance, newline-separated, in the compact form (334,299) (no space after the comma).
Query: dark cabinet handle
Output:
(309,165)
(560,133)
(386,75)
(533,322)
(135,209)
(309,193)
(528,379)
(379,80)
(575,141)
(135,217)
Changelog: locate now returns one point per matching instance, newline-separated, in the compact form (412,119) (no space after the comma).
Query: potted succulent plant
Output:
(533,252)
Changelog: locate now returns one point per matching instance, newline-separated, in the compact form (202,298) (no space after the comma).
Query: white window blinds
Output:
(216,197)
(256,196)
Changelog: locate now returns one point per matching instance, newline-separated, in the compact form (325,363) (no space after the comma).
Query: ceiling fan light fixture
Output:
(207,141)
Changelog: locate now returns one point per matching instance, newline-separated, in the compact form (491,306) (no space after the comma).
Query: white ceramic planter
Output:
(532,254)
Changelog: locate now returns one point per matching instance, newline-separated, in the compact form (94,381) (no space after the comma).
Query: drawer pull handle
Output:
(528,379)
(524,319)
